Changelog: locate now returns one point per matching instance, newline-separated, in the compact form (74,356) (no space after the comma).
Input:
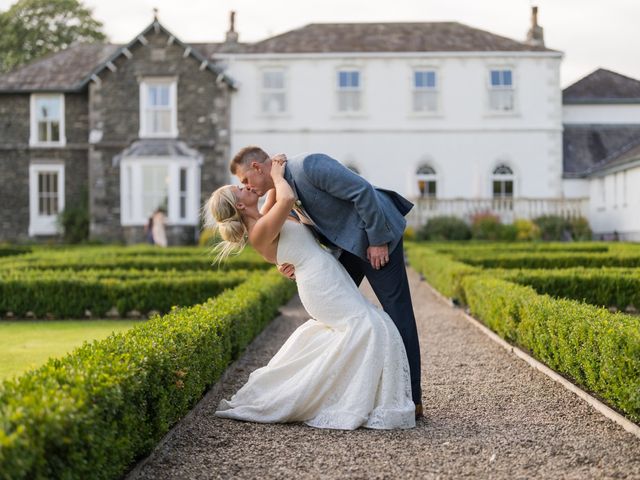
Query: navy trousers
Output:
(391,286)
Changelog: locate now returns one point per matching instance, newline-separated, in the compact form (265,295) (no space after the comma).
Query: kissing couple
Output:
(352,364)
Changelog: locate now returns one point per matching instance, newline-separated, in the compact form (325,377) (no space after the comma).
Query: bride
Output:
(346,367)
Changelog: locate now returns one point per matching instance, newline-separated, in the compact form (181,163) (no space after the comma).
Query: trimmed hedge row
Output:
(9,250)
(549,260)
(513,247)
(597,349)
(68,296)
(608,286)
(440,270)
(176,262)
(94,412)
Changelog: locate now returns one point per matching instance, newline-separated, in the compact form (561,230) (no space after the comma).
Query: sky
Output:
(591,33)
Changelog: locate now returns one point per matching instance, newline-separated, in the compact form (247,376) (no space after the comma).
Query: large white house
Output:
(456,118)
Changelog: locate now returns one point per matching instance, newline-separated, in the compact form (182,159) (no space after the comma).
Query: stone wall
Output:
(16,155)
(114,117)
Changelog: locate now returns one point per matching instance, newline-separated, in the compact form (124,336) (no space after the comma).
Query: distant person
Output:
(159,220)
(148,230)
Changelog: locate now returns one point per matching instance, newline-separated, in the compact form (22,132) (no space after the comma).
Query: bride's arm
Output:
(269,201)
(267,229)
(271,194)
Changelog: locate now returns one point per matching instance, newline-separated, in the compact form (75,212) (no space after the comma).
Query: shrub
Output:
(579,228)
(444,228)
(443,273)
(485,226)
(597,349)
(74,220)
(552,227)
(94,412)
(409,234)
(526,230)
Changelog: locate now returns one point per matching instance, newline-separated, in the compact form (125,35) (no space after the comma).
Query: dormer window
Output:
(158,108)
(47,120)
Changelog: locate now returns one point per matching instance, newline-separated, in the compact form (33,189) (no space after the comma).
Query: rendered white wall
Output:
(601,114)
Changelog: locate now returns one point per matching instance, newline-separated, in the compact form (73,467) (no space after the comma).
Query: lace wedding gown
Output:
(345,368)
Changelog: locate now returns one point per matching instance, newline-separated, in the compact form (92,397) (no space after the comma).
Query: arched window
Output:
(427,182)
(502,181)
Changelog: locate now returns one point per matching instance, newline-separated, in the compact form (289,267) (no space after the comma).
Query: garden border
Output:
(603,409)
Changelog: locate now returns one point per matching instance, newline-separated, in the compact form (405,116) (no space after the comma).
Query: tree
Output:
(32,28)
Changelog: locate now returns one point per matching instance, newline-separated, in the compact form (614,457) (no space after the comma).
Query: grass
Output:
(25,345)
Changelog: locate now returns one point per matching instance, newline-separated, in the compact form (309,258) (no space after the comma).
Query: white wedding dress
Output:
(345,368)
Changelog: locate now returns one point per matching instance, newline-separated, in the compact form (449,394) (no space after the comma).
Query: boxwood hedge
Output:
(93,413)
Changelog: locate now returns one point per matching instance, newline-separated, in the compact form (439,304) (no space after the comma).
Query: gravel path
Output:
(487,415)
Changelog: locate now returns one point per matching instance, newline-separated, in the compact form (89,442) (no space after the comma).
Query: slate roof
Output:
(591,148)
(61,71)
(160,147)
(389,37)
(72,68)
(603,86)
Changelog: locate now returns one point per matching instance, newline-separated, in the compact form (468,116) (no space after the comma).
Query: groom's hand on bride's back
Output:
(287,270)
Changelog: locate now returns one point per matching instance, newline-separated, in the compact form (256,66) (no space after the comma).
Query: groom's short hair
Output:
(246,156)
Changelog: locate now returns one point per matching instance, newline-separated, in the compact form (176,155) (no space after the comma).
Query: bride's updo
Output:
(221,214)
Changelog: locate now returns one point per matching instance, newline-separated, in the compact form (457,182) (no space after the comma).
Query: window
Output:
(183,193)
(155,188)
(158,108)
(151,183)
(274,98)
(425,93)
(427,183)
(46,197)
(349,91)
(501,91)
(503,188)
(47,120)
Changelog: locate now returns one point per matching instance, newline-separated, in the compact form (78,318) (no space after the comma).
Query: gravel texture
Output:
(487,415)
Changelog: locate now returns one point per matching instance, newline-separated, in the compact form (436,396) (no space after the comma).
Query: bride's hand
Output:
(277,166)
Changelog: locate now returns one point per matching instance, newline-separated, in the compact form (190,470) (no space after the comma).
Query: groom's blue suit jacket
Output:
(347,210)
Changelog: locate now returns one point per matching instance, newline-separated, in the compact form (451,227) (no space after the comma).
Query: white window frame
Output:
(433,90)
(33,133)
(510,89)
(426,177)
(273,91)
(131,190)
(340,90)
(173,103)
(44,224)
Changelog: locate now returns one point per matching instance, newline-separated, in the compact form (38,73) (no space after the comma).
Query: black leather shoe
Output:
(419,413)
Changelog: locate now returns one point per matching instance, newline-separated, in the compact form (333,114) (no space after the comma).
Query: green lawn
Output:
(28,344)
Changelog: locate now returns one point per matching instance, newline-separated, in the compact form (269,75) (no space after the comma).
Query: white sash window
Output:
(274,95)
(158,108)
(46,197)
(147,184)
(47,120)
(501,92)
(425,91)
(349,91)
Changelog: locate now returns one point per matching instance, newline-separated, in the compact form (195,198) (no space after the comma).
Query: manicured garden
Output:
(93,412)
(573,306)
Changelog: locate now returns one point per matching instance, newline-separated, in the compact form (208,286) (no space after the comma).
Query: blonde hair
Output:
(220,213)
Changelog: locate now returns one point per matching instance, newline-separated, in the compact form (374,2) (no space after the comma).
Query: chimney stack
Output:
(232,35)
(535,35)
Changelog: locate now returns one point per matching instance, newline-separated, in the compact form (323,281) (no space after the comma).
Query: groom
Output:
(364,222)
